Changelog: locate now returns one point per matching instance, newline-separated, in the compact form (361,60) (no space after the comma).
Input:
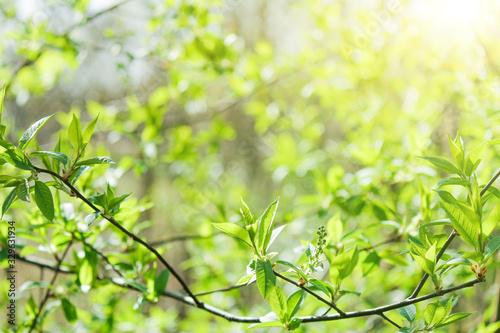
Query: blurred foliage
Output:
(324,104)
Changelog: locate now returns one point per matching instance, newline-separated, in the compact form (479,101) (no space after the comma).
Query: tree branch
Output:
(126,232)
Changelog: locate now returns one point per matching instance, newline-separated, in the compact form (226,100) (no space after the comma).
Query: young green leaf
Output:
(246,213)
(492,246)
(434,313)
(292,266)
(321,286)
(466,227)
(23,190)
(44,201)
(294,302)
(58,156)
(161,281)
(453,318)
(490,223)
(266,280)
(8,201)
(85,275)
(87,134)
(95,160)
(457,151)
(409,312)
(115,202)
(31,132)
(371,261)
(267,324)
(265,226)
(442,164)
(75,134)
(278,303)
(17,158)
(234,230)
(69,311)
(92,217)
(274,235)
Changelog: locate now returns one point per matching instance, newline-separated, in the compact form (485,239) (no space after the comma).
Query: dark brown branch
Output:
(390,321)
(309,291)
(126,232)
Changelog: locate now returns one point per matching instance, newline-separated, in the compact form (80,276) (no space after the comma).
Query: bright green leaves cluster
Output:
(436,315)
(109,203)
(343,264)
(467,216)
(155,283)
(53,161)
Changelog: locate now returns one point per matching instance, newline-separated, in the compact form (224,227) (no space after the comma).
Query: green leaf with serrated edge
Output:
(267,324)
(453,318)
(92,217)
(408,312)
(277,301)
(16,158)
(452,181)
(31,132)
(161,281)
(58,156)
(266,280)
(234,230)
(447,197)
(294,302)
(246,213)
(490,223)
(87,134)
(8,201)
(44,201)
(274,235)
(468,230)
(442,164)
(265,226)
(457,152)
(321,286)
(426,264)
(245,279)
(473,159)
(434,313)
(23,190)
(292,266)
(69,311)
(75,134)
(95,160)
(491,247)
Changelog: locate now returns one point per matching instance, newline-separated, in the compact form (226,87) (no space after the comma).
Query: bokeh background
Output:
(325,104)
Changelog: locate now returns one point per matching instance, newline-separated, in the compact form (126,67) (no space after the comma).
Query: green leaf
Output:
(245,279)
(442,164)
(43,199)
(115,202)
(8,201)
(246,213)
(278,303)
(267,324)
(95,160)
(85,275)
(407,330)
(23,190)
(69,311)
(409,312)
(467,228)
(75,134)
(490,223)
(274,235)
(266,280)
(31,132)
(321,286)
(58,156)
(137,286)
(17,158)
(294,324)
(426,264)
(492,246)
(234,230)
(447,197)
(294,302)
(342,265)
(87,134)
(434,313)
(265,226)
(457,151)
(452,181)
(371,261)
(473,159)
(292,266)
(453,318)
(161,281)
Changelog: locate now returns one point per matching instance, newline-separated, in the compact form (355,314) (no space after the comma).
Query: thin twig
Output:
(330,304)
(390,321)
(240,319)
(126,232)
(56,272)
(223,289)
